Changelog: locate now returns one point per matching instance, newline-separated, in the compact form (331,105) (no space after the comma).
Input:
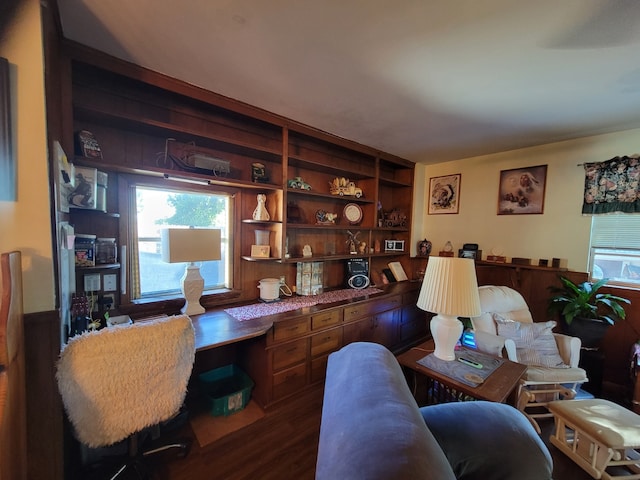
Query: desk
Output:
(500,386)
(217,328)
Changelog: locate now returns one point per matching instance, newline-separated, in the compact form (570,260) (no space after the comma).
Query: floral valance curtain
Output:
(612,186)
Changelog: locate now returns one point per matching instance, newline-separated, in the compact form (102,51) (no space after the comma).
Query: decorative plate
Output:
(353,213)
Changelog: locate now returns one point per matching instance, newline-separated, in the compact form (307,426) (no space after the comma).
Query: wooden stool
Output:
(597,434)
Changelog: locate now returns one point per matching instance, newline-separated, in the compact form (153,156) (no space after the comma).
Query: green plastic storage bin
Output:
(227,389)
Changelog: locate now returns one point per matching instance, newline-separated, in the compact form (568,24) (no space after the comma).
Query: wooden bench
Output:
(598,434)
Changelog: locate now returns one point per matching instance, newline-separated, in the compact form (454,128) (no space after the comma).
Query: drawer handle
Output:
(291,376)
(291,350)
(294,328)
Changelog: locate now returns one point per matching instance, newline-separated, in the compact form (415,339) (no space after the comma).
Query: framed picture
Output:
(444,194)
(522,190)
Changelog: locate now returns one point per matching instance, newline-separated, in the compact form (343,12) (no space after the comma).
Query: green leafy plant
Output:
(584,301)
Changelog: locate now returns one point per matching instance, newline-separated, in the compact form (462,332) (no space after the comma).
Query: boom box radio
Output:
(357,273)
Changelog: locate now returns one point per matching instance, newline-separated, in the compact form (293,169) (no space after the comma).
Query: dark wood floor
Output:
(283,445)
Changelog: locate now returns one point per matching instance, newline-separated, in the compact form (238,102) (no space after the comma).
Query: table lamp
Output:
(190,245)
(450,290)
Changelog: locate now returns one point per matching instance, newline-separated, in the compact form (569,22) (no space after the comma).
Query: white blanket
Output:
(119,380)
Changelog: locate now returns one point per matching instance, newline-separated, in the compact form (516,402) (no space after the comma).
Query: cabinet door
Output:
(385,328)
(413,324)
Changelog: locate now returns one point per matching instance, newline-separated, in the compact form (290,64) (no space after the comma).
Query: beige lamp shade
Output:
(190,244)
(450,287)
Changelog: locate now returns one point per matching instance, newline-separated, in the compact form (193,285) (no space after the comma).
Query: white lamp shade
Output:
(190,244)
(450,287)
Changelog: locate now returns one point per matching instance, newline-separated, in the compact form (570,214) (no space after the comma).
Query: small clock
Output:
(353,213)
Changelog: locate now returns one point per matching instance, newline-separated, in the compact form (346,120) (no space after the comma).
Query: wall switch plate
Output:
(109,282)
(92,282)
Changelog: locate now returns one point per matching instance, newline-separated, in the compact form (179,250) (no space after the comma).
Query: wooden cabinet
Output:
(294,353)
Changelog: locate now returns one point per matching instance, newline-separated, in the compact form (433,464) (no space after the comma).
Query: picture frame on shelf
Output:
(522,190)
(444,194)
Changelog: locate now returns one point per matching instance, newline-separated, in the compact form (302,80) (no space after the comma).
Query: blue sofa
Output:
(373,429)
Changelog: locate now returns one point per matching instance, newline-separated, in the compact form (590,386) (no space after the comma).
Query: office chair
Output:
(118,381)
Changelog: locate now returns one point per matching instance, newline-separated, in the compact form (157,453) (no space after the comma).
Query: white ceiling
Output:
(426,80)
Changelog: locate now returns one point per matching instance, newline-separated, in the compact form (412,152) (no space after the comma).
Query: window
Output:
(615,248)
(157,208)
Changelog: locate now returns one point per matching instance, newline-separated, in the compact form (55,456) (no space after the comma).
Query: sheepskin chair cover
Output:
(116,381)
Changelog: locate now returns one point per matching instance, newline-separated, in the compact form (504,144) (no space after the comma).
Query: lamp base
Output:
(192,287)
(446,331)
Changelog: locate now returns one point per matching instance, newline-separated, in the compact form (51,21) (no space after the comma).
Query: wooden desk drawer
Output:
(326,342)
(326,319)
(290,328)
(289,381)
(289,354)
(357,311)
(367,308)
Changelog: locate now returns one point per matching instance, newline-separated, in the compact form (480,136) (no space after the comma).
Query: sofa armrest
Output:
(371,426)
(569,348)
(488,440)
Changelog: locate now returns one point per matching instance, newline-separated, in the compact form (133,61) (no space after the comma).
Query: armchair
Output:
(506,325)
(118,381)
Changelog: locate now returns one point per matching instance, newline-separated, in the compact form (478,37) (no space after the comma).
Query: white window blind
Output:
(615,249)
(619,231)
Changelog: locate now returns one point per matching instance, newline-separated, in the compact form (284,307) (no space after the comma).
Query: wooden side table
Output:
(500,386)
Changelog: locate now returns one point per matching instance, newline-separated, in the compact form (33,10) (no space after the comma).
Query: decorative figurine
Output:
(306,251)
(353,242)
(299,183)
(362,248)
(259,173)
(424,248)
(395,218)
(343,186)
(261,213)
(324,218)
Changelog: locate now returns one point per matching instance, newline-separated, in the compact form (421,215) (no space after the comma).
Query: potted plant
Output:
(586,312)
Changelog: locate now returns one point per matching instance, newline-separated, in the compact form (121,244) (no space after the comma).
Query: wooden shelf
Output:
(92,211)
(163,129)
(179,176)
(328,196)
(517,266)
(299,162)
(262,222)
(106,266)
(314,226)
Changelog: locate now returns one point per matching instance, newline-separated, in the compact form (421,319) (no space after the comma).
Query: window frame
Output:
(128,213)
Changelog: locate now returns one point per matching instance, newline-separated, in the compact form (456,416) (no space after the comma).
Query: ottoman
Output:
(597,434)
